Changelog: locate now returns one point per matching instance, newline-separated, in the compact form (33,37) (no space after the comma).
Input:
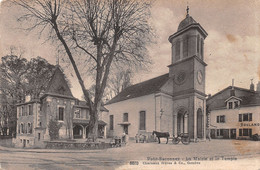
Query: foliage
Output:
(19,78)
(54,127)
(13,70)
(102,33)
(38,75)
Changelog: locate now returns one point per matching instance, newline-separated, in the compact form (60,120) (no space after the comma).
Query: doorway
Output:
(78,132)
(199,123)
(182,121)
(125,128)
(24,143)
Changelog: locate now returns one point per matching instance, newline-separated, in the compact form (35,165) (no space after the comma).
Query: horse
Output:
(161,135)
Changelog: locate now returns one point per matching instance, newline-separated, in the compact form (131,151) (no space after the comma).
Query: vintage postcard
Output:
(129,84)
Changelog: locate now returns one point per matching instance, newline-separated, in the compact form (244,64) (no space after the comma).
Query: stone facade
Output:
(57,103)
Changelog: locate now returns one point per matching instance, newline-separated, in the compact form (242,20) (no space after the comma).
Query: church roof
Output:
(247,97)
(141,89)
(186,22)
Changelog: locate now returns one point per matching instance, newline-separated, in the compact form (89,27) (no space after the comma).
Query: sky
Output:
(232,48)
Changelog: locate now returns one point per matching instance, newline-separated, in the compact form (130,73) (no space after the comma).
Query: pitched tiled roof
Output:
(248,98)
(58,84)
(141,89)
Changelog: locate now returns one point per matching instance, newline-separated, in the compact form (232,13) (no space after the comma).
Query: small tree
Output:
(54,128)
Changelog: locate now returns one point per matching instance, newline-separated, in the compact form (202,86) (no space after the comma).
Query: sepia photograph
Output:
(129,84)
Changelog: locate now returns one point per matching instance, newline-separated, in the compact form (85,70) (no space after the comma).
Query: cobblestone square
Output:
(239,154)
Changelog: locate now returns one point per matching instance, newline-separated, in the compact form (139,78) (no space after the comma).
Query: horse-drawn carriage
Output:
(183,137)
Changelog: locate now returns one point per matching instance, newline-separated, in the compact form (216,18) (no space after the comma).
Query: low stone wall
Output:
(80,146)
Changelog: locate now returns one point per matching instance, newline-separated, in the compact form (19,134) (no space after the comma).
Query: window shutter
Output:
(240,117)
(250,117)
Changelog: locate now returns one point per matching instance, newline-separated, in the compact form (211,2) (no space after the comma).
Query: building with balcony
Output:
(56,103)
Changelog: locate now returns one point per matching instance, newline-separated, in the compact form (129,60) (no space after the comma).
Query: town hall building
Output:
(174,102)
(57,103)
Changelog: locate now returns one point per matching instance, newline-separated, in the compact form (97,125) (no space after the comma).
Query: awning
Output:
(124,123)
(86,122)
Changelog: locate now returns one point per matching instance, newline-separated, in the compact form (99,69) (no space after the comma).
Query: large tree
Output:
(38,75)
(19,78)
(101,32)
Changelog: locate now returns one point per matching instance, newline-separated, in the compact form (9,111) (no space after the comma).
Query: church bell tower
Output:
(187,71)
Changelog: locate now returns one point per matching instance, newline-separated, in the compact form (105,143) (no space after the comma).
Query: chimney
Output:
(232,92)
(252,86)
(27,98)
(258,86)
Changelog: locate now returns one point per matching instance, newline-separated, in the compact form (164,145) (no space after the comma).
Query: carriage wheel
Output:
(175,141)
(185,140)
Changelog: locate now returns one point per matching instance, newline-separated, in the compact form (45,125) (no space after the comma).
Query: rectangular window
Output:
(245,117)
(39,136)
(77,113)
(125,117)
(61,113)
(23,112)
(30,110)
(245,132)
(26,110)
(220,132)
(236,104)
(230,105)
(111,120)
(142,120)
(221,119)
(20,111)
(240,132)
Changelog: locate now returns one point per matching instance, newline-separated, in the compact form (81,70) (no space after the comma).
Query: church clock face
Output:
(180,77)
(199,76)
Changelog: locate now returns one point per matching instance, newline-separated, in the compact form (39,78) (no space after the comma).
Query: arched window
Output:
(202,48)
(19,129)
(177,50)
(125,117)
(198,44)
(61,114)
(29,127)
(185,46)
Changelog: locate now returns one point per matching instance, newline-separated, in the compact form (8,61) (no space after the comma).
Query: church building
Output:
(174,102)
